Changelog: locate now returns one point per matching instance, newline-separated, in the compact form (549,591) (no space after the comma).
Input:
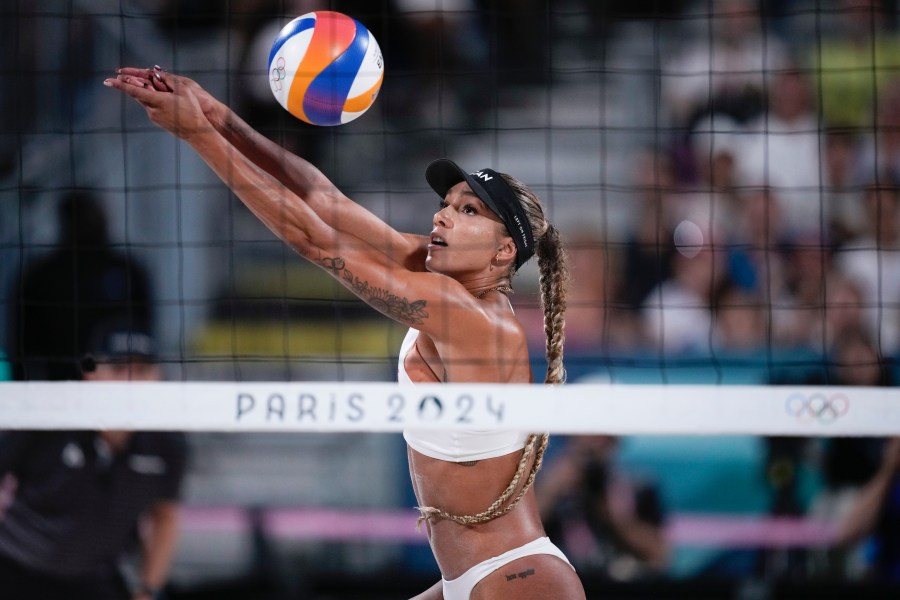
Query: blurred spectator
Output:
(782,148)
(60,297)
(756,247)
(841,314)
(677,314)
(853,59)
(713,198)
(607,523)
(880,154)
(649,249)
(595,274)
(876,514)
(845,463)
(842,195)
(799,314)
(740,324)
(854,361)
(848,464)
(872,261)
(85,499)
(722,71)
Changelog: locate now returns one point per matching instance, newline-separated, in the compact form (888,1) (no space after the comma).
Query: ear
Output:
(506,253)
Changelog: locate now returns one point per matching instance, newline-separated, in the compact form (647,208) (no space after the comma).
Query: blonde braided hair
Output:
(554,276)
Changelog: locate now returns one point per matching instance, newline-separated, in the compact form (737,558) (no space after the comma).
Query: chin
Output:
(431,265)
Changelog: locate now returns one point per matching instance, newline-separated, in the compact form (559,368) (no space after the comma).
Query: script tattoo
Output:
(400,309)
(520,575)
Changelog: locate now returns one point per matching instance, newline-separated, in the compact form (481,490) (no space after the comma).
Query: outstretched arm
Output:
(294,172)
(409,297)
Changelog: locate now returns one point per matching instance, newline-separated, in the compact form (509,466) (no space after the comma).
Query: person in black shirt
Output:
(84,499)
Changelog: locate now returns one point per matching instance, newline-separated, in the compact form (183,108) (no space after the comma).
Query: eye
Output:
(470,209)
(443,204)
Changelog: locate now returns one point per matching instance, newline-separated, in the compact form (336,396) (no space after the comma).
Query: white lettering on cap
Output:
(482,175)
(521,230)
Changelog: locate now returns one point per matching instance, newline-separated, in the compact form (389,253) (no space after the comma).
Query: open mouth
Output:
(438,241)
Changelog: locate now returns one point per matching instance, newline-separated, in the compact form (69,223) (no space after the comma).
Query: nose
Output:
(441,217)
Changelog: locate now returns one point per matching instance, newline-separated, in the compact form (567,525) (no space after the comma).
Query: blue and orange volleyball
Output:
(325,68)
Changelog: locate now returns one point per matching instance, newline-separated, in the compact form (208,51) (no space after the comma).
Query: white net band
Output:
(385,407)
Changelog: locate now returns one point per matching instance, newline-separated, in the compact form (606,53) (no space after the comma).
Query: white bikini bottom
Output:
(461,587)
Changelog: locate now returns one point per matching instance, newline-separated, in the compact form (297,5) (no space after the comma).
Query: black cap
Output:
(118,340)
(442,174)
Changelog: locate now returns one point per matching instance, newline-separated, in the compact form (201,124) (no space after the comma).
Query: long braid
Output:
(554,276)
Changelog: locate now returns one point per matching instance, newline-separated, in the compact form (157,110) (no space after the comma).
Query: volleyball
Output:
(325,68)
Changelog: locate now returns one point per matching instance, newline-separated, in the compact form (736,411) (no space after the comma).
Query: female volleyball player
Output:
(450,288)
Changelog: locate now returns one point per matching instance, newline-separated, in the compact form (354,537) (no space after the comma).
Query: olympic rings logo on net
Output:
(817,407)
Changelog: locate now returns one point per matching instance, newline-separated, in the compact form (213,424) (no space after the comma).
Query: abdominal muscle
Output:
(467,490)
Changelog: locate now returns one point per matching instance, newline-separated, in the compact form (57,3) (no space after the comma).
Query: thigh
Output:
(536,577)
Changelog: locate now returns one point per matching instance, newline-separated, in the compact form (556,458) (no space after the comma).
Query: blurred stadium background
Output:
(771,125)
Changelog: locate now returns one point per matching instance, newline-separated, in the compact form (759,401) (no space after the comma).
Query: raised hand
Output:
(173,103)
(161,80)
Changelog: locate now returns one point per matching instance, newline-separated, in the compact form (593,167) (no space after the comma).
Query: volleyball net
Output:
(385,407)
(723,174)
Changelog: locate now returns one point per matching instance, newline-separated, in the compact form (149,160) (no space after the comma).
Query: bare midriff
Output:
(468,490)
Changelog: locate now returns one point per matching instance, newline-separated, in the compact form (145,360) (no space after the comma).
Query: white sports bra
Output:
(460,445)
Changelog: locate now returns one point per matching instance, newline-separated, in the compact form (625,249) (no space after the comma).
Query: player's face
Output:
(466,234)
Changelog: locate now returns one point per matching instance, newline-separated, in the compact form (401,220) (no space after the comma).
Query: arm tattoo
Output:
(400,309)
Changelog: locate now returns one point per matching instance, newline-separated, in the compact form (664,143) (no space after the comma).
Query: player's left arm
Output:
(294,172)
(389,286)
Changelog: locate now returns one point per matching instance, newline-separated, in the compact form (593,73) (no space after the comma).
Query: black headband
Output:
(442,174)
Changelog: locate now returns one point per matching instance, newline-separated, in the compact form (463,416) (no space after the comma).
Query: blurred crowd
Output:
(766,216)
(770,215)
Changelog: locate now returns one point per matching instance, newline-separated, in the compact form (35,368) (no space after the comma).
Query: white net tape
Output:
(386,407)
